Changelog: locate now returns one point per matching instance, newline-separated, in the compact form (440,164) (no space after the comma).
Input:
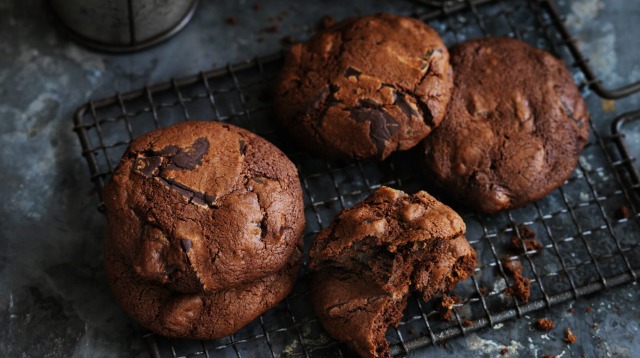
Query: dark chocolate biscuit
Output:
(514,128)
(375,254)
(203,208)
(365,87)
(195,315)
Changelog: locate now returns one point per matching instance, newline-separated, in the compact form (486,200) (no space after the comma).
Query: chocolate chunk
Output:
(209,199)
(382,125)
(198,199)
(351,72)
(243,147)
(186,192)
(191,157)
(168,150)
(147,166)
(186,245)
(404,105)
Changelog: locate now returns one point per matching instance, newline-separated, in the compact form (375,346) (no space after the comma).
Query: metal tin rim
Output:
(105,47)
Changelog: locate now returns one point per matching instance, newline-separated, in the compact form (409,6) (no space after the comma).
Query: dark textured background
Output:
(54,300)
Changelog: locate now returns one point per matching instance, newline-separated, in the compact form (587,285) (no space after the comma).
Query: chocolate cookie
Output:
(365,87)
(195,315)
(375,254)
(514,128)
(202,208)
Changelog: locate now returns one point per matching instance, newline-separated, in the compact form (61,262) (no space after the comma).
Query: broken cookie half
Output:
(374,255)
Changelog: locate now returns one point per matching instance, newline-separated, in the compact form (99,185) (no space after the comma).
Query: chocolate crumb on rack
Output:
(526,241)
(521,287)
(623,212)
(569,337)
(446,305)
(588,309)
(544,324)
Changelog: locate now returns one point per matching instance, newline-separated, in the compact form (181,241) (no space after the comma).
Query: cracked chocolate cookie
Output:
(365,87)
(514,128)
(202,208)
(209,315)
(375,254)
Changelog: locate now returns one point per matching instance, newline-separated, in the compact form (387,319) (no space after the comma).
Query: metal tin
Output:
(122,25)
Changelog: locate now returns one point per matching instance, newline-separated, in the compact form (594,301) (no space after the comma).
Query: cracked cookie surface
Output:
(374,255)
(365,87)
(514,128)
(203,208)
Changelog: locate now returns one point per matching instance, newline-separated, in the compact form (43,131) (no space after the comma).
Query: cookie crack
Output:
(425,111)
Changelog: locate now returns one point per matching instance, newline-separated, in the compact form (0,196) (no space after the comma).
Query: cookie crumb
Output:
(412,331)
(544,324)
(445,306)
(512,265)
(548,356)
(589,309)
(622,213)
(521,288)
(504,351)
(569,337)
(527,244)
(526,232)
(467,323)
(526,241)
(571,310)
(231,20)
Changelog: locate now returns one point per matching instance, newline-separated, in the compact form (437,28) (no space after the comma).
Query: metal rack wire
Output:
(587,245)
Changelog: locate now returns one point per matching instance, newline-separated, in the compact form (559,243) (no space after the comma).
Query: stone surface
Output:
(54,299)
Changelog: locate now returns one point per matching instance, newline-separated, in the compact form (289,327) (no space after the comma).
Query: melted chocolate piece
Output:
(186,245)
(156,163)
(352,72)
(404,105)
(382,124)
(148,166)
(191,157)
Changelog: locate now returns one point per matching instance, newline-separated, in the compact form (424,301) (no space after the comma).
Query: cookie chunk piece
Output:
(202,208)
(514,128)
(365,87)
(375,254)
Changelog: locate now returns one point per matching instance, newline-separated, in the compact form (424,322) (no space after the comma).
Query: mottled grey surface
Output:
(54,300)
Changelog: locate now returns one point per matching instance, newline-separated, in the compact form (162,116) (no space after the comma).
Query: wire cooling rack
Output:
(588,228)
